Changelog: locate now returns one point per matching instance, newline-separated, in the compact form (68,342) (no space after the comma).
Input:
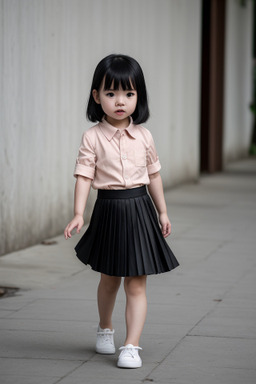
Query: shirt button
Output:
(124,157)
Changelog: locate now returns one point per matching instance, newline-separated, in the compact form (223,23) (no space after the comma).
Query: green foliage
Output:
(252,150)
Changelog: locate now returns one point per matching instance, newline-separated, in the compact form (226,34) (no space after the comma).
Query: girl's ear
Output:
(96,96)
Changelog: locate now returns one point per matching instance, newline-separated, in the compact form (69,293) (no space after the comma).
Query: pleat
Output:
(166,259)
(139,240)
(124,239)
(113,260)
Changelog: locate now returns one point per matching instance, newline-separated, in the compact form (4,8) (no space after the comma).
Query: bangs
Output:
(119,77)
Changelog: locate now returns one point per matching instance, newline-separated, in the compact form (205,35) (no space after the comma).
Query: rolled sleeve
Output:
(86,160)
(153,168)
(153,163)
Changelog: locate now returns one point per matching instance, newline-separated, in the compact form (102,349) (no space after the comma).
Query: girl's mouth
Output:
(119,111)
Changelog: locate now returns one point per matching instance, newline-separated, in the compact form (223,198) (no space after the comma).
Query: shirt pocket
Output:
(140,159)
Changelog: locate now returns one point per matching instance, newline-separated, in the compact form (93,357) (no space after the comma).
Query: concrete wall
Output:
(238,80)
(49,49)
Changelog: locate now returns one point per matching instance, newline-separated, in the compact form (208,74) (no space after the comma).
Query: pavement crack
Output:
(147,378)
(222,337)
(70,372)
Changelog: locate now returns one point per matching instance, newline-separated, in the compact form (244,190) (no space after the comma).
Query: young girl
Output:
(117,157)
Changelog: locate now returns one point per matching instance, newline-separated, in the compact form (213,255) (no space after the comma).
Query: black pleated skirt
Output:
(124,237)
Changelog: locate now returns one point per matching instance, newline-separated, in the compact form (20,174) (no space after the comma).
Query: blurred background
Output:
(198,58)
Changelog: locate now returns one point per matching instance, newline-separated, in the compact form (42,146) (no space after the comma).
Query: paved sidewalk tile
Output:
(209,360)
(200,327)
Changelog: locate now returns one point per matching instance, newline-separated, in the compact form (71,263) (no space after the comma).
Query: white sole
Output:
(129,365)
(110,351)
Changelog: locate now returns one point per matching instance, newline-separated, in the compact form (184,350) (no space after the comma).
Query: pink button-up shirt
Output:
(117,159)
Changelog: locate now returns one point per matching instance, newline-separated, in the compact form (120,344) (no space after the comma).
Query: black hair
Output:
(119,70)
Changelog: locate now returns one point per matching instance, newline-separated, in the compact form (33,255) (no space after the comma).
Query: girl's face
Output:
(117,105)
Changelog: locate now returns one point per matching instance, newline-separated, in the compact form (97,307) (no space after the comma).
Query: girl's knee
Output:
(110,283)
(135,286)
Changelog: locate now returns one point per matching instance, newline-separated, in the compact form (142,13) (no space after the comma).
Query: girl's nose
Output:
(119,101)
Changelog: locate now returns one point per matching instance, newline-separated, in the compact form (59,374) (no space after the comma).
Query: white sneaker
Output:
(129,357)
(105,341)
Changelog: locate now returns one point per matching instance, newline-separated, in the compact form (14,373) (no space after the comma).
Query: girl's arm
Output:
(82,189)
(156,191)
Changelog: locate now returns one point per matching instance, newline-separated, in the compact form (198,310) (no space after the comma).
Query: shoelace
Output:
(131,351)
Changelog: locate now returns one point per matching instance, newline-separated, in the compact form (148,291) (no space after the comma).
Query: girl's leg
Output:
(136,308)
(107,291)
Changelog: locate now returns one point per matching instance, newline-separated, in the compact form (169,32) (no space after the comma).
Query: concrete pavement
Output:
(201,323)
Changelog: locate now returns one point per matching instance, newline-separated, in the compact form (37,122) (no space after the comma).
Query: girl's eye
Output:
(130,94)
(110,94)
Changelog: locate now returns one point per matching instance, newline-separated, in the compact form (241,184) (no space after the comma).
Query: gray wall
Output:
(49,50)
(238,80)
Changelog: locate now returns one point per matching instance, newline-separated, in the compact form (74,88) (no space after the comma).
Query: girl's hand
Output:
(77,222)
(165,224)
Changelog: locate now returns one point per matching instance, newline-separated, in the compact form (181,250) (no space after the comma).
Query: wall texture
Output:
(238,80)
(49,49)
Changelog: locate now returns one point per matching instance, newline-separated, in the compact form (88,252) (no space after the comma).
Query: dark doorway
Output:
(212,84)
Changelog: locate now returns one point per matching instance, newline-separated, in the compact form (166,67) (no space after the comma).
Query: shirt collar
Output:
(109,130)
